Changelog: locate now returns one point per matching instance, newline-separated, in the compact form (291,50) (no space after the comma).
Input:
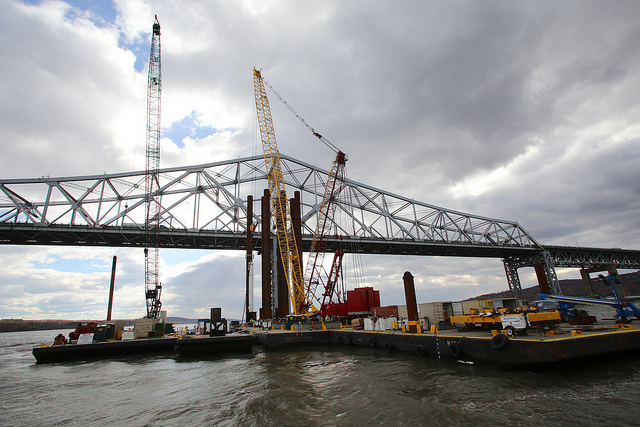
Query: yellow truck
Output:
(513,323)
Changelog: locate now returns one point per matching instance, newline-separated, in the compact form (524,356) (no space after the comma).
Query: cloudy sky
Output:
(525,111)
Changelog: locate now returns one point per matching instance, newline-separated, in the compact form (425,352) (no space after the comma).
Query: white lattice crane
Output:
(153,288)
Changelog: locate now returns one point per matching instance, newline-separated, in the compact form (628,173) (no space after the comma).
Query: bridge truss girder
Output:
(581,257)
(211,198)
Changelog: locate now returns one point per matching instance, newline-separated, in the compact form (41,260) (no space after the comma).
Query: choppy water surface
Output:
(323,386)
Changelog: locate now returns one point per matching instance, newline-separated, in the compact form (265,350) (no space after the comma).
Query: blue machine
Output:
(566,309)
(624,309)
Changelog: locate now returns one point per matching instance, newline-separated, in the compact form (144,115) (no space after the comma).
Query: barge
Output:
(567,343)
(189,347)
(482,347)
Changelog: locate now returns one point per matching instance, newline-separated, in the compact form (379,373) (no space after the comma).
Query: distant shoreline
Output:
(19,325)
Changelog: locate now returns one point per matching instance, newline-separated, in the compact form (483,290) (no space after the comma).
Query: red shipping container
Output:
(388,311)
(333,310)
(363,299)
(356,307)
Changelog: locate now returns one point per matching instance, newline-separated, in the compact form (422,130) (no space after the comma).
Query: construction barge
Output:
(149,337)
(193,347)
(482,347)
(479,347)
(542,333)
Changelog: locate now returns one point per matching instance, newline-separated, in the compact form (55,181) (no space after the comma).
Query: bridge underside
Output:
(216,240)
(61,235)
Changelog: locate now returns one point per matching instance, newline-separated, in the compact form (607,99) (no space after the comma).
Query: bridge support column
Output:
(511,269)
(296,224)
(612,270)
(266,311)
(410,298)
(550,273)
(249,263)
(543,283)
(545,271)
(586,279)
(280,284)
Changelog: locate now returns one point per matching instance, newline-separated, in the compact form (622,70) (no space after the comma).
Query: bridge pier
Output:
(612,270)
(249,261)
(281,290)
(266,312)
(545,272)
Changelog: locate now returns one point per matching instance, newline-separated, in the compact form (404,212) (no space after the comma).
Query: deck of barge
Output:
(188,347)
(476,346)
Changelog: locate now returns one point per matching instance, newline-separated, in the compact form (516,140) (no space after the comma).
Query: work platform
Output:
(473,346)
(189,347)
(478,346)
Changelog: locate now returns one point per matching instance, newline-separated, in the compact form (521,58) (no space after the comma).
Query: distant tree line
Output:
(15,325)
(576,288)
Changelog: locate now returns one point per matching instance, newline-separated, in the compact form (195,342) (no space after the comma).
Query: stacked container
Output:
(362,300)
(144,326)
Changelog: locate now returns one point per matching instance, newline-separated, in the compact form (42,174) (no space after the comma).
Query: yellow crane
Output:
(334,186)
(289,253)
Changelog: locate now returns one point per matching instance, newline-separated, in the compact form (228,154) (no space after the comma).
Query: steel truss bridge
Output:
(204,206)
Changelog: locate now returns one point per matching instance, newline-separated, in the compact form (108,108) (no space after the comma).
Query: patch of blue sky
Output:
(189,126)
(100,12)
(56,263)
(103,13)
(140,47)
(173,257)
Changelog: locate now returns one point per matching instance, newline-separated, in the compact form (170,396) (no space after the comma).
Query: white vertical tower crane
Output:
(153,287)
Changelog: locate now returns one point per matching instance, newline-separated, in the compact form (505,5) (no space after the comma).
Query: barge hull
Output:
(214,346)
(104,350)
(181,348)
(503,350)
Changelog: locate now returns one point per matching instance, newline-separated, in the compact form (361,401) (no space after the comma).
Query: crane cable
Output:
(316,134)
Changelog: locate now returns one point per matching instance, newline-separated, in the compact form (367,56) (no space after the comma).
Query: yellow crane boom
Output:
(280,203)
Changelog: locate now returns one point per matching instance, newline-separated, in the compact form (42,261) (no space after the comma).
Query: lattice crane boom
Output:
(330,290)
(335,183)
(153,288)
(284,227)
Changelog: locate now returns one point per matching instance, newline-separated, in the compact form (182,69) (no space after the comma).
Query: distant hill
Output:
(181,320)
(575,287)
(16,325)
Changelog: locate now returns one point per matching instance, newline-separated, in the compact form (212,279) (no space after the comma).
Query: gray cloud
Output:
(523,111)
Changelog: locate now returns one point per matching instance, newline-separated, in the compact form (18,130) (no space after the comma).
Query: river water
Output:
(323,386)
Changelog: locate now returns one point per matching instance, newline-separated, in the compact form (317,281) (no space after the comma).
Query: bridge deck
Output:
(60,235)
